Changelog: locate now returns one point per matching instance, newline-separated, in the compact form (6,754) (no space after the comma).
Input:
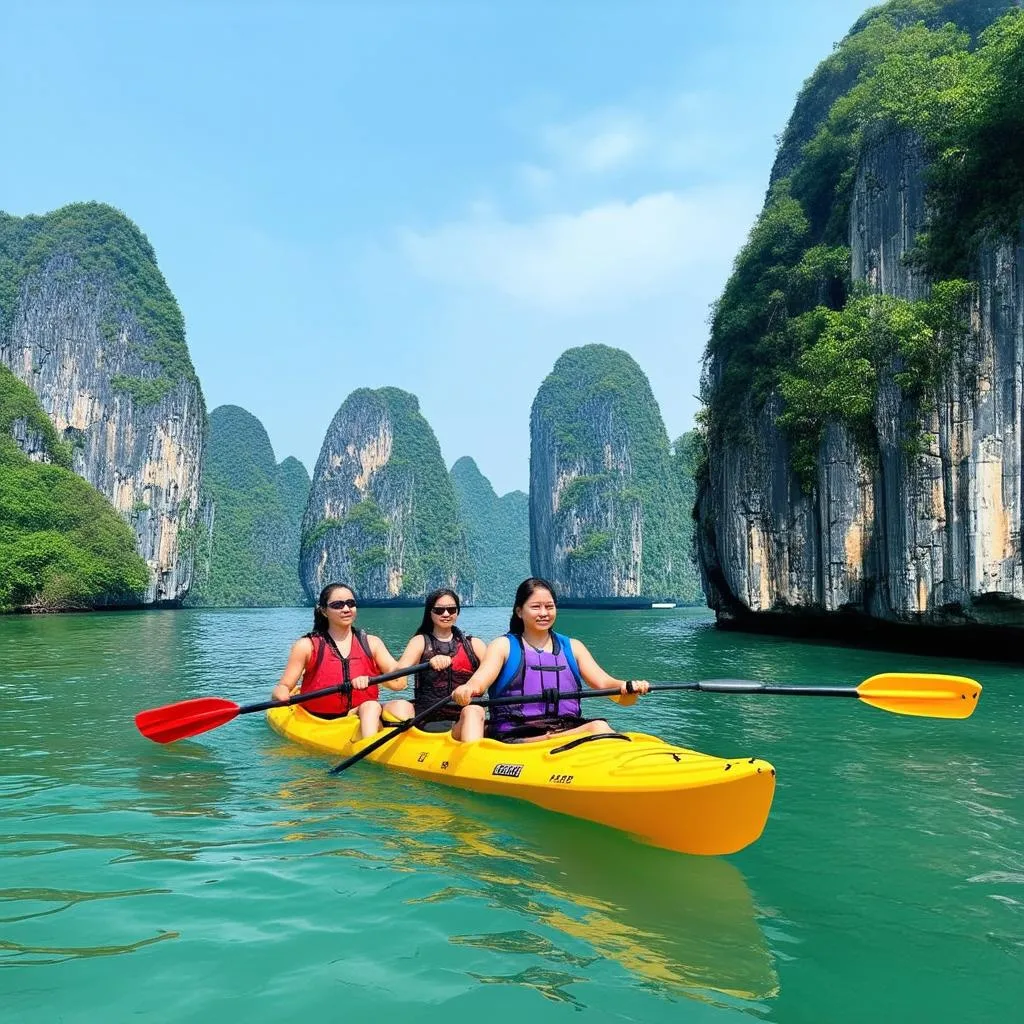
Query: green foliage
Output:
(108,252)
(369,518)
(19,402)
(835,378)
(311,538)
(253,553)
(596,544)
(143,390)
(497,533)
(788,320)
(594,385)
(62,545)
(978,178)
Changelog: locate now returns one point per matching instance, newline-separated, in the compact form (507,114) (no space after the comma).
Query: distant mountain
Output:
(382,514)
(497,533)
(607,516)
(251,557)
(62,545)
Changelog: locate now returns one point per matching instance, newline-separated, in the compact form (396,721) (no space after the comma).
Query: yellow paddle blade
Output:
(921,693)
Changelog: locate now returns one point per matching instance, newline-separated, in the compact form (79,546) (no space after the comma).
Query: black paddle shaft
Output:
(301,698)
(400,728)
(703,686)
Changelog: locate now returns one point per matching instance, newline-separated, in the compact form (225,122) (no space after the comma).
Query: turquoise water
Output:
(230,875)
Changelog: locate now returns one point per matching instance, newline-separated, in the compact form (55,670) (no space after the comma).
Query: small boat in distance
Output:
(663,604)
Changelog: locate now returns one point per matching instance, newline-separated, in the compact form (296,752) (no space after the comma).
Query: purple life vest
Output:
(539,677)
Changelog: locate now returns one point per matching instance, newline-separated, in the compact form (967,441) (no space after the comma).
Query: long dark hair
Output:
(320,623)
(426,626)
(523,592)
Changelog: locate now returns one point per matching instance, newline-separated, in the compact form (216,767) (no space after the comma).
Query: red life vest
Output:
(325,668)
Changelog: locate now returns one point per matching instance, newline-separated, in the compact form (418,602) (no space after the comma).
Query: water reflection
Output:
(680,925)
(550,984)
(18,954)
(186,780)
(64,899)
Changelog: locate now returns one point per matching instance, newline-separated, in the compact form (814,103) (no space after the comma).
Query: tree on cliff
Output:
(607,517)
(251,557)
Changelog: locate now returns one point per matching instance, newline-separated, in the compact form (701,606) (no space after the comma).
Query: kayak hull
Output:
(665,795)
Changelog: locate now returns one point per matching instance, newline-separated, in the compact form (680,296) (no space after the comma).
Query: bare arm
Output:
(412,653)
(596,677)
(385,662)
(490,668)
(299,656)
(410,656)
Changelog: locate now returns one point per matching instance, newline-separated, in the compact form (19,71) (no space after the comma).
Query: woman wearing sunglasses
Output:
(453,655)
(334,652)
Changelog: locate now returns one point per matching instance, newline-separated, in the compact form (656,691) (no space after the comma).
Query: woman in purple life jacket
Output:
(538,664)
(453,657)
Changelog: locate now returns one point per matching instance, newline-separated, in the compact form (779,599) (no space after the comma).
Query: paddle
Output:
(904,693)
(191,717)
(409,723)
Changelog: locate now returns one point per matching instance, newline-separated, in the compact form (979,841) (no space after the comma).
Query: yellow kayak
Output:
(667,796)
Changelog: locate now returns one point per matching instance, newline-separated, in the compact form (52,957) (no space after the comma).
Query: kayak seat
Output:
(436,726)
(590,739)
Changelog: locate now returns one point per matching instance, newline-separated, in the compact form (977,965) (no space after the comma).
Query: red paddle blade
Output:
(186,718)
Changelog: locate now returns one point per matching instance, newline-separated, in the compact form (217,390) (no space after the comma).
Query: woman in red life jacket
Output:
(453,655)
(534,662)
(334,652)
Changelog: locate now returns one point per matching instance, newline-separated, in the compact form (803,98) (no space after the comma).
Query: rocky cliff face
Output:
(72,331)
(929,537)
(606,515)
(382,514)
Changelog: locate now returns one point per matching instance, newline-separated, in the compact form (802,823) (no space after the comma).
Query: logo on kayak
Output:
(510,771)
(563,779)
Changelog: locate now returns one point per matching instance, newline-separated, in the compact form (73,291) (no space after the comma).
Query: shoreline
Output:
(960,640)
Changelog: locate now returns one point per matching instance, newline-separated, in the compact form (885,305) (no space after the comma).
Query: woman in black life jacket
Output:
(454,657)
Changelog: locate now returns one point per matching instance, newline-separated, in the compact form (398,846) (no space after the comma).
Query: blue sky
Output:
(440,196)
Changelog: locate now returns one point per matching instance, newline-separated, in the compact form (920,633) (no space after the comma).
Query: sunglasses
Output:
(347,603)
(448,609)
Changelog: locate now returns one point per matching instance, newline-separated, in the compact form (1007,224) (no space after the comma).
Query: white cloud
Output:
(603,141)
(603,257)
(683,132)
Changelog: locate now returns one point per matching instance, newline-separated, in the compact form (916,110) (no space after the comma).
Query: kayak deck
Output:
(665,795)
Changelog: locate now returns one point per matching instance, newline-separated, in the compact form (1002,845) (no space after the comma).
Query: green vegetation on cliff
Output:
(62,545)
(789,319)
(497,533)
(598,406)
(109,252)
(252,556)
